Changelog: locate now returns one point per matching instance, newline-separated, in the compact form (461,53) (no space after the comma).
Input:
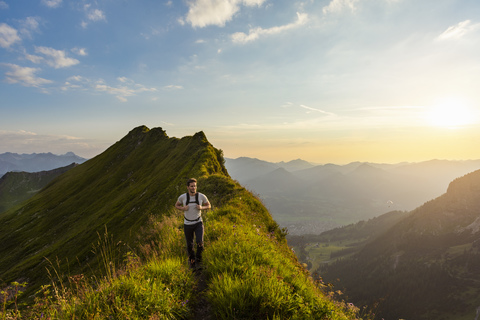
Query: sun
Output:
(450,113)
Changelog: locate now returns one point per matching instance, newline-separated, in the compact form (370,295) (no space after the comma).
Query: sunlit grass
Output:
(158,287)
(254,275)
(249,271)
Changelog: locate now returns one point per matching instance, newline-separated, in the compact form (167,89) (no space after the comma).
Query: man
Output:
(192,203)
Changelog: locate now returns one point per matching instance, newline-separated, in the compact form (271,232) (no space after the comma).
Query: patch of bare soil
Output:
(201,309)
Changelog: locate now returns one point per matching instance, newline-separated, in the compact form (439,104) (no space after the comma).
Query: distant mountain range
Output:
(113,244)
(36,162)
(424,264)
(310,199)
(418,262)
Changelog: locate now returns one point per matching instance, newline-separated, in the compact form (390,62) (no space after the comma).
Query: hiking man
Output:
(192,203)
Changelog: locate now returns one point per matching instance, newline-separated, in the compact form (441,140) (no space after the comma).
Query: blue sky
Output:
(325,81)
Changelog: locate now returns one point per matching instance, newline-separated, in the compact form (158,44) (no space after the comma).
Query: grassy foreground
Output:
(249,273)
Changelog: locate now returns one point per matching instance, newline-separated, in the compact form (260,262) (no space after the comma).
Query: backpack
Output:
(188,199)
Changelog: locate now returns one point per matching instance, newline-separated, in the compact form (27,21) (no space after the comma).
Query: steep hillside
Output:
(341,242)
(117,250)
(141,174)
(427,266)
(16,187)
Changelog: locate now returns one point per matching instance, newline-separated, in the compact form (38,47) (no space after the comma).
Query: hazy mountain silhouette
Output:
(330,195)
(36,161)
(244,168)
(275,181)
(295,165)
(425,266)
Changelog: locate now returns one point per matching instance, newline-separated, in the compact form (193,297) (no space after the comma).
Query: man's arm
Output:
(180,206)
(206,205)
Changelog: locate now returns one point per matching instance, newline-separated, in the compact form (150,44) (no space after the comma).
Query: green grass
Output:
(250,273)
(325,252)
(116,247)
(253,274)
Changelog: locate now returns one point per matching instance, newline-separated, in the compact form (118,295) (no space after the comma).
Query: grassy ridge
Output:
(253,274)
(140,175)
(249,270)
(112,220)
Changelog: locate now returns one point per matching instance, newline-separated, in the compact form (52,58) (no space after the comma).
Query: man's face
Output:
(192,187)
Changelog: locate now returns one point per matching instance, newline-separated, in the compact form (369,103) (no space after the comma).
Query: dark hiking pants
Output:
(197,230)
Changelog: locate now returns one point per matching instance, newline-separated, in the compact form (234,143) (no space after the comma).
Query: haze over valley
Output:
(310,199)
(338,216)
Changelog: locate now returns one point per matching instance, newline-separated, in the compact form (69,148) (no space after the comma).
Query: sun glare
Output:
(450,113)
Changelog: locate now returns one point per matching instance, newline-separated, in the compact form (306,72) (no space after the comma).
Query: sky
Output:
(327,81)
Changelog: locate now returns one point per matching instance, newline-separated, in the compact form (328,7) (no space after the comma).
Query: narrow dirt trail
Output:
(202,308)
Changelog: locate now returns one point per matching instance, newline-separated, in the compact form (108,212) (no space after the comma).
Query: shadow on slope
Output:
(250,272)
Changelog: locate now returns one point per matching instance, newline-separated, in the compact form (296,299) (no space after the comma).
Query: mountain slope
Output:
(16,187)
(139,175)
(130,190)
(433,255)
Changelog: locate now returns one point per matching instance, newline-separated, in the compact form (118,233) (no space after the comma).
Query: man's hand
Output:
(199,207)
(185,208)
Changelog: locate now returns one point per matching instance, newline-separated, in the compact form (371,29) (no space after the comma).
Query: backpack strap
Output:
(196,198)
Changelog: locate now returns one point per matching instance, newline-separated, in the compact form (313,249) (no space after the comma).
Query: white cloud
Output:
(28,25)
(288,105)
(24,76)
(202,13)
(459,30)
(3,5)
(80,51)
(96,15)
(34,58)
(310,109)
(126,88)
(337,6)
(52,3)
(122,92)
(254,34)
(56,58)
(252,3)
(173,87)
(8,35)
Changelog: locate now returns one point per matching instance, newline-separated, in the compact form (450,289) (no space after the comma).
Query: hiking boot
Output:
(191,263)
